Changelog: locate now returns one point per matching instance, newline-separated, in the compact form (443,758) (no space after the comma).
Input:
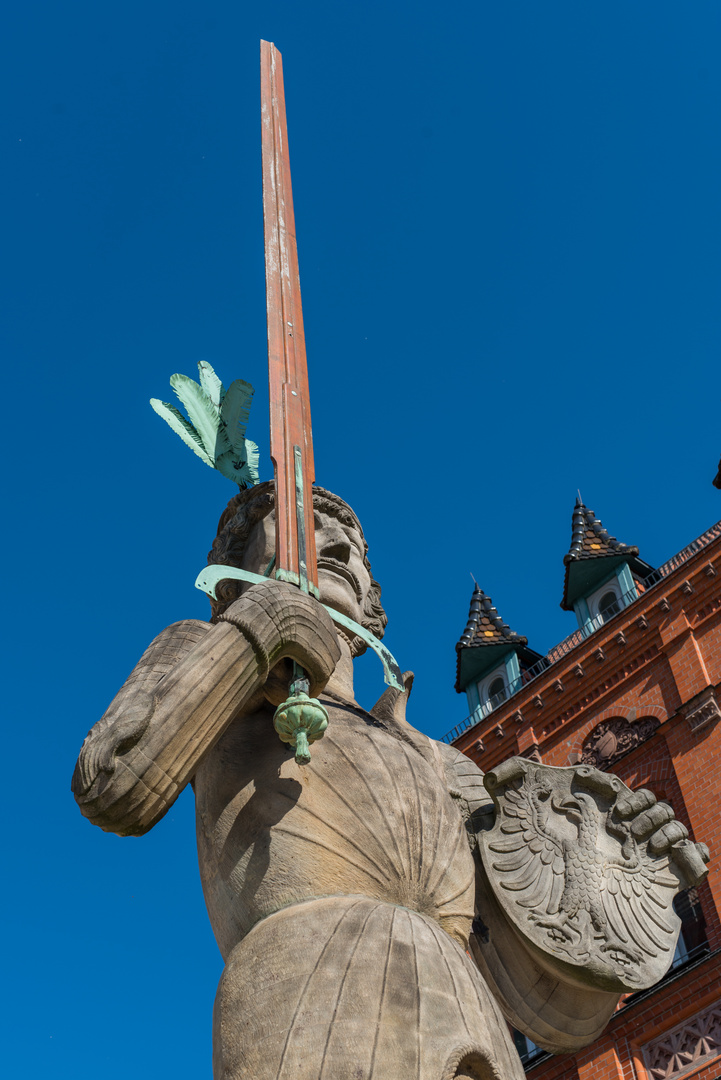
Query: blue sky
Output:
(508,223)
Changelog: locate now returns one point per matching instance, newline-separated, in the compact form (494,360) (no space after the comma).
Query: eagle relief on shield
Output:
(577,878)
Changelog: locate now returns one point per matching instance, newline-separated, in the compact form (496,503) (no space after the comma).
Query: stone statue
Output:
(380,910)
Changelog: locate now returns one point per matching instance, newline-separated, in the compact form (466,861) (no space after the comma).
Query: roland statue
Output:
(382,909)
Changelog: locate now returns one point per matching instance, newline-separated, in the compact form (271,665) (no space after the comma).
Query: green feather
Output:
(235,411)
(216,428)
(204,417)
(181,427)
(211,383)
(240,464)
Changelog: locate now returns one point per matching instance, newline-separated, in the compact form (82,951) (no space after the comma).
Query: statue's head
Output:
(246,539)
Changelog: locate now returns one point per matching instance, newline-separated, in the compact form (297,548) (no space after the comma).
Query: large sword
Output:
(291,439)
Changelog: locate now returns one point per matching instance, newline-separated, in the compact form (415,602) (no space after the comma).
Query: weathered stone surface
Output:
(188,686)
(348,987)
(556,1015)
(368,815)
(561,1004)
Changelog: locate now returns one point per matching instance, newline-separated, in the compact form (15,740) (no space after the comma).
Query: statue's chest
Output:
(368,815)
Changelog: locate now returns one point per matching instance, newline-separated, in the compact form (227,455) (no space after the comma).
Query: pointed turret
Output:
(487,644)
(597,561)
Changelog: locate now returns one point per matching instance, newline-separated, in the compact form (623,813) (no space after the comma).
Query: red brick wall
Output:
(659,658)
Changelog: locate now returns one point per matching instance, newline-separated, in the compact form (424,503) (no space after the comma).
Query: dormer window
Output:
(601,572)
(498,686)
(604,603)
(608,605)
(489,657)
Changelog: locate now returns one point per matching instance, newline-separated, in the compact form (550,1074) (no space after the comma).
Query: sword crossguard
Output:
(209,578)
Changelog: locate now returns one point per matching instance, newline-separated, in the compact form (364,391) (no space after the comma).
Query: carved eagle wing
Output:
(526,854)
(637,895)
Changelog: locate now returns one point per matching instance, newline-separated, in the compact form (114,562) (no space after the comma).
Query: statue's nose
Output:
(336,545)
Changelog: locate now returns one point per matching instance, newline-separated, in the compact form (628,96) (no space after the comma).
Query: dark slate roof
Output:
(486,629)
(589,540)
(485,626)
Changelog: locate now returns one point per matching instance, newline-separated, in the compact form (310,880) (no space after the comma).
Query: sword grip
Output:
(299,683)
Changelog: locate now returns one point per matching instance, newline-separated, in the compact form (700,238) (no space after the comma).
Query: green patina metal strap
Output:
(210,576)
(294,579)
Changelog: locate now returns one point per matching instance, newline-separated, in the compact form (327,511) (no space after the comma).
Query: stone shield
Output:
(575,878)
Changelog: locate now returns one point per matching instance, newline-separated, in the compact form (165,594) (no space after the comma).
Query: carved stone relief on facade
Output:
(685,1047)
(613,738)
(704,710)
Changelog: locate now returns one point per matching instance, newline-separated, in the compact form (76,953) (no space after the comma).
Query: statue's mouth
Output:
(335,566)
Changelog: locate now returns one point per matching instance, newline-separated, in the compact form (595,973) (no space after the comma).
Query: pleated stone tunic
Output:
(368,816)
(341,894)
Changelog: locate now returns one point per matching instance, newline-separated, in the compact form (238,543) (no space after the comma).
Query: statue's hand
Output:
(656,822)
(287,623)
(111,736)
(651,820)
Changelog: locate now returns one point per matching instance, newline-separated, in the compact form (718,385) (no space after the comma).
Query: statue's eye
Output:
(354,539)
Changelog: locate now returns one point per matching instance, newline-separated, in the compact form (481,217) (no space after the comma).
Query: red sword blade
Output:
(291,437)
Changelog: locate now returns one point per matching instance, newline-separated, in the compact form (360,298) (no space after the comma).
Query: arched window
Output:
(493,689)
(497,686)
(608,605)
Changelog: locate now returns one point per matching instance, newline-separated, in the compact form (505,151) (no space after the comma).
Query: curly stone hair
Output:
(238,520)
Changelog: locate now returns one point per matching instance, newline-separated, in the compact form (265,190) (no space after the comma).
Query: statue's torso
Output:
(369,816)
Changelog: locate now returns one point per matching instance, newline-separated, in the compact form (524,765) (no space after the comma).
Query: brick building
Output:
(636,690)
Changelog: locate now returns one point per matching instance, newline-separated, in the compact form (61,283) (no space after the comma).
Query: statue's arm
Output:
(189,685)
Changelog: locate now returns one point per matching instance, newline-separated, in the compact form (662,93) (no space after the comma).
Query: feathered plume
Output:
(216,429)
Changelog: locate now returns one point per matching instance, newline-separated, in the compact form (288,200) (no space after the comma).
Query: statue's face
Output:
(343,579)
